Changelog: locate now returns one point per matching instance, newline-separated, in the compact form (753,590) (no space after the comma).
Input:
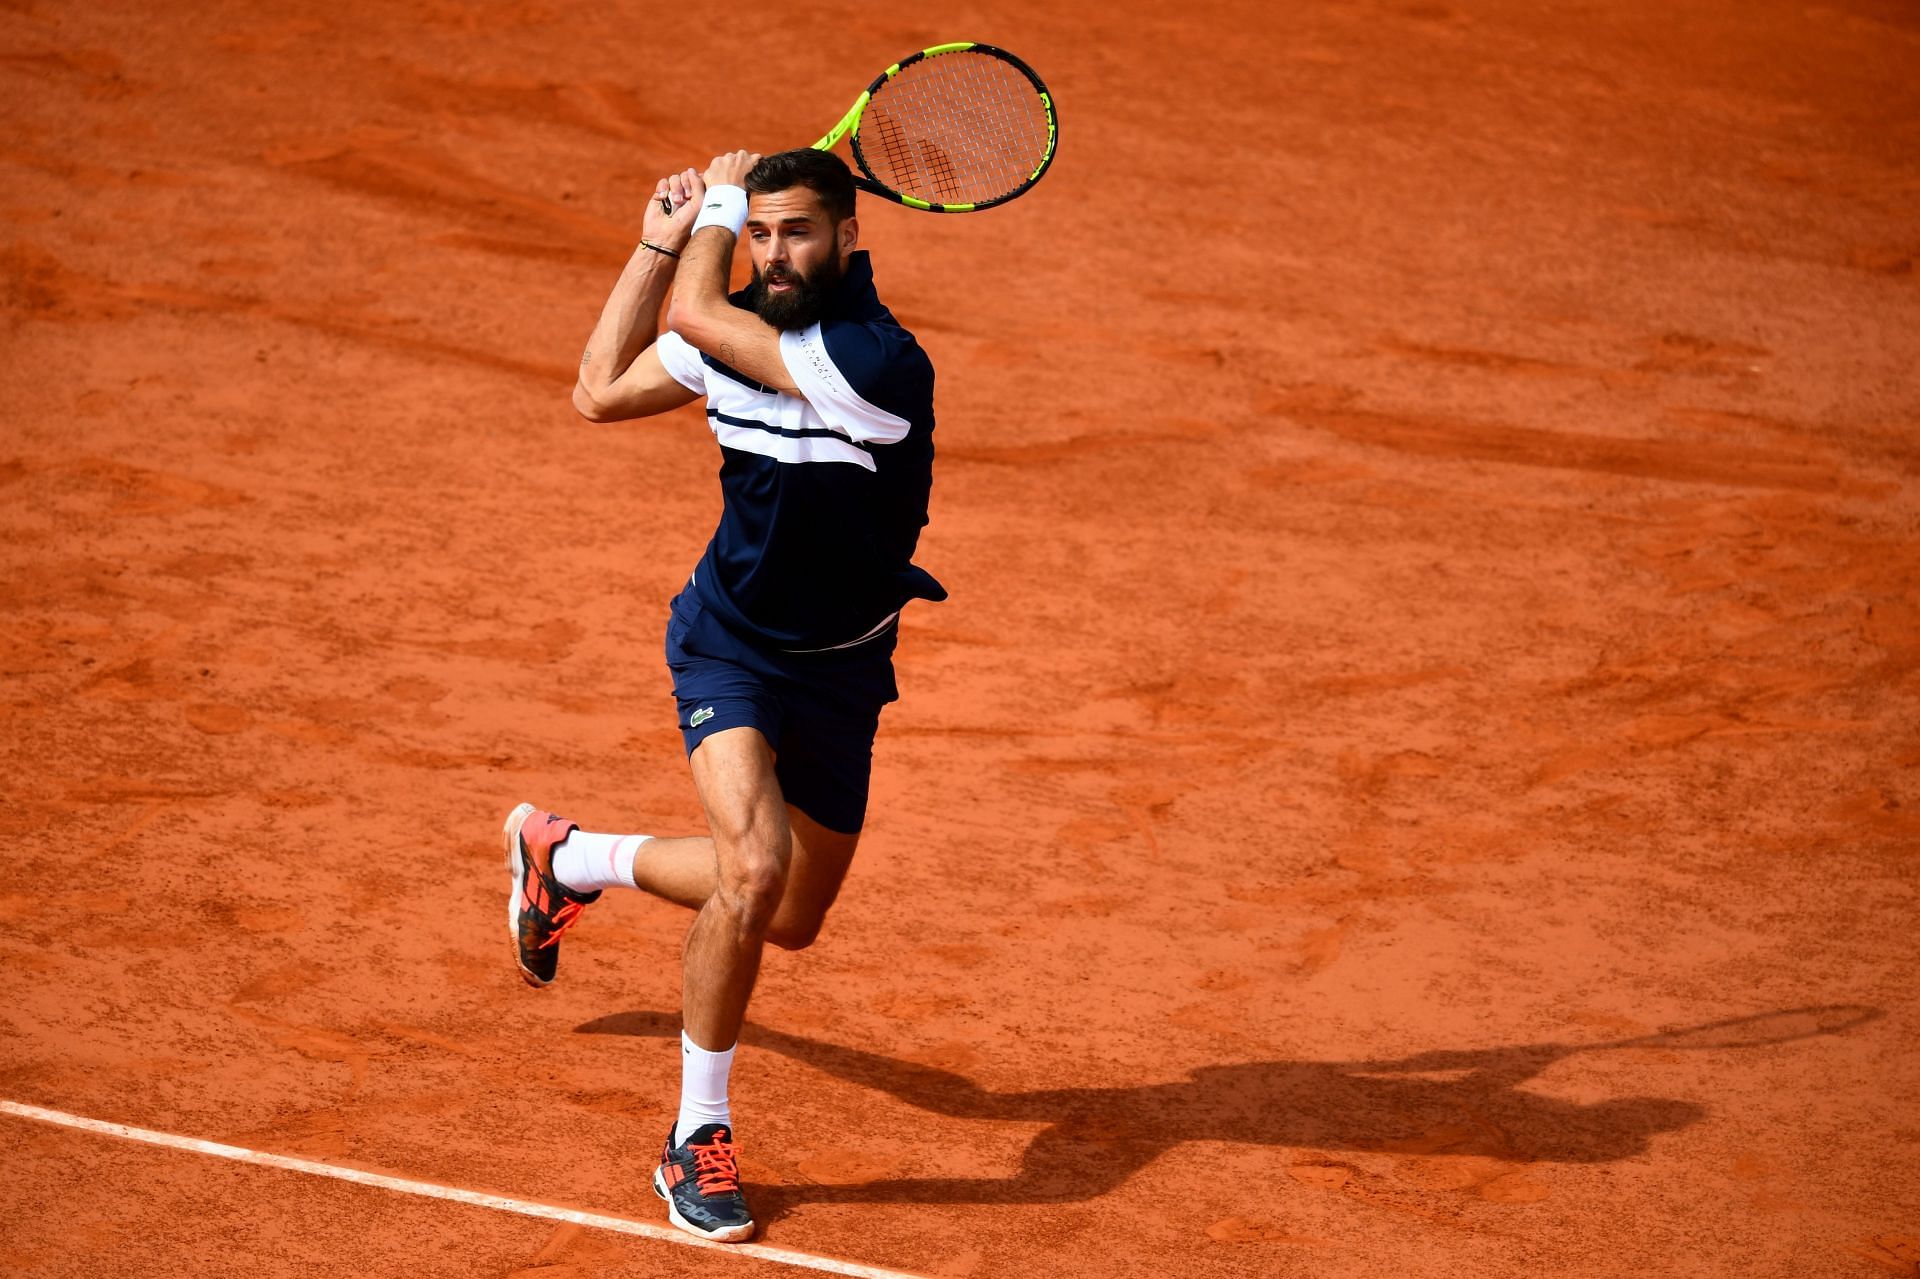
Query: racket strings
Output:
(959,128)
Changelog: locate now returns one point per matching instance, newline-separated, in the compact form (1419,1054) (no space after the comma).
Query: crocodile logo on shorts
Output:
(700,716)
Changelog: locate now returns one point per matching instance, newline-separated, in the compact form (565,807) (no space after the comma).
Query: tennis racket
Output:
(952,129)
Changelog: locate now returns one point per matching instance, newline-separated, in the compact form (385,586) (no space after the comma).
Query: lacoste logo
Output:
(700,716)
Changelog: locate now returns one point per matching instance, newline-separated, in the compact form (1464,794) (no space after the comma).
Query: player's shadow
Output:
(1440,1104)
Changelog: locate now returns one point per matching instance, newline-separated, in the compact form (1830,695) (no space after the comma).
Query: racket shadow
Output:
(1436,1105)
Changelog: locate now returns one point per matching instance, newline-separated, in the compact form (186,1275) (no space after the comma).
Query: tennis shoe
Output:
(700,1180)
(540,908)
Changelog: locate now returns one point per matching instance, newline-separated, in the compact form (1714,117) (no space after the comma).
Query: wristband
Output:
(723,206)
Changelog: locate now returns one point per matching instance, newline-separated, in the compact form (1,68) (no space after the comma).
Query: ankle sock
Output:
(585,861)
(703,1088)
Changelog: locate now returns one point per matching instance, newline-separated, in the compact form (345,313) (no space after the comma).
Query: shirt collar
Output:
(855,293)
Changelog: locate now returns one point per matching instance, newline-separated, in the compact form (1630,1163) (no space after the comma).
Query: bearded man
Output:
(781,644)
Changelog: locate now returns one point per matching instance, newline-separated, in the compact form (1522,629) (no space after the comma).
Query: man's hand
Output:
(731,169)
(621,375)
(670,230)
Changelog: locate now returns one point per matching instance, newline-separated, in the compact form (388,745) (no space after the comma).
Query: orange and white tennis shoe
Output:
(539,908)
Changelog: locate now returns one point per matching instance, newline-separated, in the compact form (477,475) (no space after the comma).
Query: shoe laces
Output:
(714,1169)
(563,919)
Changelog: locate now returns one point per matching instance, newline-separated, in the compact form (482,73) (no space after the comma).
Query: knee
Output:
(750,891)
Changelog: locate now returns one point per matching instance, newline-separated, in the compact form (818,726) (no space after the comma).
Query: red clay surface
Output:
(1431,494)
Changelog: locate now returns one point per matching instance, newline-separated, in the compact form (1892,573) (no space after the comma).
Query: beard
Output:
(803,303)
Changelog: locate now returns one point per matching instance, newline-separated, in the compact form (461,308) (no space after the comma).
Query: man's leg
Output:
(698,1175)
(753,849)
(685,870)
(756,852)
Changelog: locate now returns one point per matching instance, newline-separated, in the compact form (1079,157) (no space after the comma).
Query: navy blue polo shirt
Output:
(825,492)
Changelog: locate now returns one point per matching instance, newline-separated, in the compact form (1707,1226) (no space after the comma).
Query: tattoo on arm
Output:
(586,356)
(727,357)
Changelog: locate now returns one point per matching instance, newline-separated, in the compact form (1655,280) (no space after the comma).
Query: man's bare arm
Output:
(701,312)
(620,374)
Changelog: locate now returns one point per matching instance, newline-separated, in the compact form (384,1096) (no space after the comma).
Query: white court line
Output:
(499,1203)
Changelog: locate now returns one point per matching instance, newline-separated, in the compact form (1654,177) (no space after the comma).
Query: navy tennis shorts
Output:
(819,711)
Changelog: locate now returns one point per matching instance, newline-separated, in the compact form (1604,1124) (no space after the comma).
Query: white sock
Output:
(703,1088)
(584,861)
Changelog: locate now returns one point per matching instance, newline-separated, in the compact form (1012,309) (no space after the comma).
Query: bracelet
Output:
(658,248)
(724,206)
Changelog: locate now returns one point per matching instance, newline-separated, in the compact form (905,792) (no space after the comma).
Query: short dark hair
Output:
(822,172)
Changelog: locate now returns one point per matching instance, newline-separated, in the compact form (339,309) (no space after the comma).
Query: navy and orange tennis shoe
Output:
(540,908)
(700,1180)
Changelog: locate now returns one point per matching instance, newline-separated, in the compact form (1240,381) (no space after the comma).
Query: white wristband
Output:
(723,206)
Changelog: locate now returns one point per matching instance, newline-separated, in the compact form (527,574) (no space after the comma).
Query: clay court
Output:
(1419,774)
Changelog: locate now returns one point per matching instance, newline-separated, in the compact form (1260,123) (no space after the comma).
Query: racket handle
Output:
(666,205)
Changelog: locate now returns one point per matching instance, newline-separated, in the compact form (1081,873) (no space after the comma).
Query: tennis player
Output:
(781,643)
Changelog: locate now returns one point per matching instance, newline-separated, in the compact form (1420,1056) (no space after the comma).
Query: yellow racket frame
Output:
(850,123)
